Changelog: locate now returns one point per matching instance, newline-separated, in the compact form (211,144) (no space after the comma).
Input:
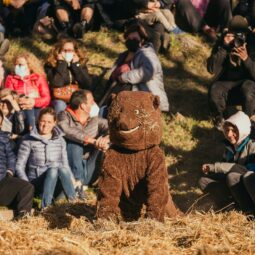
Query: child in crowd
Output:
(44,153)
(234,176)
(11,188)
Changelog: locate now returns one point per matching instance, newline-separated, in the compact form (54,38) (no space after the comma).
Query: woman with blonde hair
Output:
(29,81)
(66,71)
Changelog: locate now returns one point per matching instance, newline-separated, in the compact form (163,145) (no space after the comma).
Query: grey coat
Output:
(147,75)
(39,154)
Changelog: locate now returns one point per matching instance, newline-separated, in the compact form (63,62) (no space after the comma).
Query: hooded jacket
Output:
(243,152)
(39,154)
(146,74)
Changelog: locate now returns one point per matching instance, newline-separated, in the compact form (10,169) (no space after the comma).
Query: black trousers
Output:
(224,93)
(223,186)
(16,193)
(218,15)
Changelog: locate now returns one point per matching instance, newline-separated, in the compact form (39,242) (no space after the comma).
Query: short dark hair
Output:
(47,110)
(78,97)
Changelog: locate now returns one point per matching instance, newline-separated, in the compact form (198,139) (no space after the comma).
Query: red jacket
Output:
(33,85)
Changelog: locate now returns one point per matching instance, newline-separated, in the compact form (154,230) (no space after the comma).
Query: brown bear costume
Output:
(134,171)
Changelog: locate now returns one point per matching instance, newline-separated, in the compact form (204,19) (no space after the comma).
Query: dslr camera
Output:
(239,40)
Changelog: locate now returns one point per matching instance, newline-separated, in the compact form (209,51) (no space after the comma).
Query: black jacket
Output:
(64,74)
(220,65)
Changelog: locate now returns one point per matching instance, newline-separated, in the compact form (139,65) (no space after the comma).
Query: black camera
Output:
(239,40)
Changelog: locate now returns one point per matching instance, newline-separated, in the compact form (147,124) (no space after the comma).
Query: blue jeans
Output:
(31,117)
(59,105)
(84,170)
(50,182)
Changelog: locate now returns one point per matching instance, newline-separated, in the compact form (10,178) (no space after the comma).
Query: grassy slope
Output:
(189,141)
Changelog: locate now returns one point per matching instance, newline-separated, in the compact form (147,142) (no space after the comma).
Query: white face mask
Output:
(68,56)
(94,111)
(21,70)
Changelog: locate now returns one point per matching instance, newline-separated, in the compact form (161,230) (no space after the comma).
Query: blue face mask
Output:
(21,70)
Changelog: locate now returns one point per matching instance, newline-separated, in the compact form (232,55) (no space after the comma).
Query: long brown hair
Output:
(79,50)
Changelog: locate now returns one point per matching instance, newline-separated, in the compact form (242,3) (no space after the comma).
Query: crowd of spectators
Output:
(52,132)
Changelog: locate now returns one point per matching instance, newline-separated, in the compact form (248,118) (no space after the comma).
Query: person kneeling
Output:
(44,151)
(232,177)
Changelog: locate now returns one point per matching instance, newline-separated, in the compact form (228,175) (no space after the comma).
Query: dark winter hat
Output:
(238,24)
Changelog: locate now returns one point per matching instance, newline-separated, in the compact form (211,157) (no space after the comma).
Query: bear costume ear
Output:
(156,102)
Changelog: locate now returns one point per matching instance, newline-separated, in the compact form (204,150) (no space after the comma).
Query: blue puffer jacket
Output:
(7,157)
(40,154)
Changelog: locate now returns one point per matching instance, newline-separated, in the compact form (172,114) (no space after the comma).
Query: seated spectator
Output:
(246,8)
(139,67)
(30,84)
(19,16)
(206,16)
(156,11)
(13,191)
(44,154)
(65,66)
(234,67)
(86,136)
(234,175)
(71,16)
(13,121)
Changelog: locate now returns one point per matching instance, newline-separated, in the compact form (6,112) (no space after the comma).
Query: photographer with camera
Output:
(232,64)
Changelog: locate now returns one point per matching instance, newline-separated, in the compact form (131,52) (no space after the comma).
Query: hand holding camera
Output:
(236,43)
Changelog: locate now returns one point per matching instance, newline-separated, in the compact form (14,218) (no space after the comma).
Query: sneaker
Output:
(22,215)
(79,29)
(178,31)
(80,193)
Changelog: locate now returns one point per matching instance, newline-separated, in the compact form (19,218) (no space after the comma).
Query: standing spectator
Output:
(12,189)
(234,67)
(30,84)
(66,65)
(44,153)
(86,136)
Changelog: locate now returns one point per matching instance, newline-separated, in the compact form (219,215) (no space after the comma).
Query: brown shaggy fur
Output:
(134,171)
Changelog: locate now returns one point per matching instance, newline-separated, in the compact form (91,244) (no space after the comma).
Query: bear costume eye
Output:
(136,112)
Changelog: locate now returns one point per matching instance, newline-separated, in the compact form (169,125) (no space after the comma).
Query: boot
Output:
(64,30)
(79,29)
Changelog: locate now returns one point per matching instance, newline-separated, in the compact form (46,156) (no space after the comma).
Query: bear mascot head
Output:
(134,120)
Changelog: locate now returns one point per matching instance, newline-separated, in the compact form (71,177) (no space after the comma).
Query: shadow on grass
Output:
(61,215)
(186,172)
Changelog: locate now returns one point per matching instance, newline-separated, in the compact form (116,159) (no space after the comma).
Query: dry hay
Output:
(72,230)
